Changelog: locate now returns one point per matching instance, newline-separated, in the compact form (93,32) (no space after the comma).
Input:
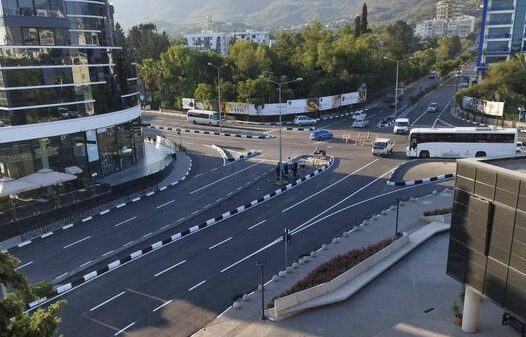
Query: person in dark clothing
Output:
(295,169)
(278,168)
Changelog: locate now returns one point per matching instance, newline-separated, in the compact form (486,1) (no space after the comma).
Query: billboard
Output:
(250,109)
(350,98)
(299,106)
(330,102)
(482,106)
(188,103)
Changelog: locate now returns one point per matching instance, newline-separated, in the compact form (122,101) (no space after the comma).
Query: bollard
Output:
(282,274)
(313,253)
(236,305)
(275,278)
(295,265)
(245,298)
(324,247)
(289,269)
(335,240)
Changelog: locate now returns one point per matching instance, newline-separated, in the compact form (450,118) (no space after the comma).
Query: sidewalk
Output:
(395,301)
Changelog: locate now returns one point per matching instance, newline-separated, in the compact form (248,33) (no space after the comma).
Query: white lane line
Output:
(85,264)
(146,235)
(181,219)
(440,115)
(165,204)
(207,205)
(229,193)
(197,285)
(259,223)
(108,253)
(125,221)
(127,244)
(164,227)
(162,305)
(219,244)
(169,268)
(24,265)
(218,200)
(194,213)
(124,329)
(107,301)
(199,175)
(331,185)
(215,169)
(226,177)
(60,276)
(77,242)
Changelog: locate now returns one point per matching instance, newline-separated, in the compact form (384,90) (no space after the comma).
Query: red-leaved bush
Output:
(334,268)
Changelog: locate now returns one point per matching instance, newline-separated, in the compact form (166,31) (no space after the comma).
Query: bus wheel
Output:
(424,154)
(480,154)
(194,122)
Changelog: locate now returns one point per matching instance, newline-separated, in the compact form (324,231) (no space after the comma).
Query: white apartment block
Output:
(221,42)
(449,9)
(461,26)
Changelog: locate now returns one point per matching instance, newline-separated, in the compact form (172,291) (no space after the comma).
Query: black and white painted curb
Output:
(300,129)
(61,289)
(470,121)
(421,181)
(229,160)
(212,133)
(104,212)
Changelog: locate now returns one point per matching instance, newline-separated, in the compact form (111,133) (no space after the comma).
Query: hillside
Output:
(266,13)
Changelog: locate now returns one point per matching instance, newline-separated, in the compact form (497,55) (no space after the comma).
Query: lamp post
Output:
(262,264)
(454,105)
(398,200)
(218,68)
(280,84)
(396,84)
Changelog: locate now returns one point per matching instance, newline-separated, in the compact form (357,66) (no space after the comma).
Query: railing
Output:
(498,36)
(502,8)
(500,22)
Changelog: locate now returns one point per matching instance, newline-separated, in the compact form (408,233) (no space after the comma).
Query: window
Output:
(10,7)
(26,8)
(47,38)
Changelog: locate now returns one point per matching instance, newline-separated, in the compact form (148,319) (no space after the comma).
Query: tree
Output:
(146,42)
(443,49)
(364,23)
(250,59)
(150,73)
(400,40)
(455,47)
(14,322)
(357,26)
(205,92)
(120,37)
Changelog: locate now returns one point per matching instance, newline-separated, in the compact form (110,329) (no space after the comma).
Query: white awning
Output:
(9,186)
(47,177)
(73,170)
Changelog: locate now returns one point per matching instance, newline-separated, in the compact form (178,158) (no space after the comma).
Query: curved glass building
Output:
(69,98)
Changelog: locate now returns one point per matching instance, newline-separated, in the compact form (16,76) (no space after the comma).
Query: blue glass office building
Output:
(68,95)
(503,31)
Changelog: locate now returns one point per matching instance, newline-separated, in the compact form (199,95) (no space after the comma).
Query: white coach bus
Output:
(203,117)
(461,142)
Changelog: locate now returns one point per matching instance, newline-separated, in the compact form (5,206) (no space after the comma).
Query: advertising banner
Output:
(299,106)
(250,109)
(188,103)
(483,107)
(330,102)
(350,98)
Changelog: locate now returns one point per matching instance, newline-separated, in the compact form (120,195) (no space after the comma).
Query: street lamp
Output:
(398,200)
(262,264)
(396,85)
(280,84)
(454,105)
(218,68)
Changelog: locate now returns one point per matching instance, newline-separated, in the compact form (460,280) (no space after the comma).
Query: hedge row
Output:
(334,268)
(438,211)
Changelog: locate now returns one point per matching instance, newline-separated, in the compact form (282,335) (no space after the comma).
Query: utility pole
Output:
(397,212)
(287,238)
(218,68)
(262,264)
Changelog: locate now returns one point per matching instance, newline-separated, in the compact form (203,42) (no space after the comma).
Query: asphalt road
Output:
(176,290)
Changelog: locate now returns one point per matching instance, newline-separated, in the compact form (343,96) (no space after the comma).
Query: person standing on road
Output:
(278,169)
(295,169)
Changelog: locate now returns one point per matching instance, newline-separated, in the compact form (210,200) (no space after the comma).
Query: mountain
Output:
(266,13)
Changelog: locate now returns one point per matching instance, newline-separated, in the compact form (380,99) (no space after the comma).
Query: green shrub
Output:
(438,211)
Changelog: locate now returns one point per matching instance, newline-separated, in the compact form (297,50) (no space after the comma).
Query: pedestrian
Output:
(295,169)
(286,169)
(278,170)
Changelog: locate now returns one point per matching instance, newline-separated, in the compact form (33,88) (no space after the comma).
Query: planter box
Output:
(445,218)
(293,303)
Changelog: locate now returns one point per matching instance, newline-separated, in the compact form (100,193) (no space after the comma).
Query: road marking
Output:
(162,305)
(220,243)
(199,175)
(219,180)
(144,294)
(24,265)
(197,285)
(60,276)
(259,223)
(124,329)
(107,301)
(125,221)
(127,244)
(218,200)
(438,117)
(76,242)
(212,170)
(163,227)
(195,212)
(146,235)
(331,185)
(108,253)
(207,205)
(181,219)
(229,193)
(165,204)
(85,264)
(169,268)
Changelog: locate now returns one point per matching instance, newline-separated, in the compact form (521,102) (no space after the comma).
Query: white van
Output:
(382,147)
(401,125)
(203,117)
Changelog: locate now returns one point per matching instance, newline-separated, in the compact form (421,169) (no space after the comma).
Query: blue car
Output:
(320,135)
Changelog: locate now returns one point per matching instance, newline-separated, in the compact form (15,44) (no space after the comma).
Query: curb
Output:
(210,132)
(104,212)
(300,129)
(421,181)
(176,237)
(246,155)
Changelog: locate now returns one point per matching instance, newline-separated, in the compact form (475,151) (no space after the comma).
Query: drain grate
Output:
(428,310)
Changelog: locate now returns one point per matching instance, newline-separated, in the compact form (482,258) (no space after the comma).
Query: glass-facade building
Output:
(503,31)
(69,98)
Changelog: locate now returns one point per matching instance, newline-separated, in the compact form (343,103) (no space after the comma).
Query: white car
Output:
(433,107)
(382,147)
(360,123)
(401,125)
(304,120)
(359,115)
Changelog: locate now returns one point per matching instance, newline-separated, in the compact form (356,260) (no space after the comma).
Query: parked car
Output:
(382,147)
(401,125)
(320,135)
(304,120)
(360,123)
(433,107)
